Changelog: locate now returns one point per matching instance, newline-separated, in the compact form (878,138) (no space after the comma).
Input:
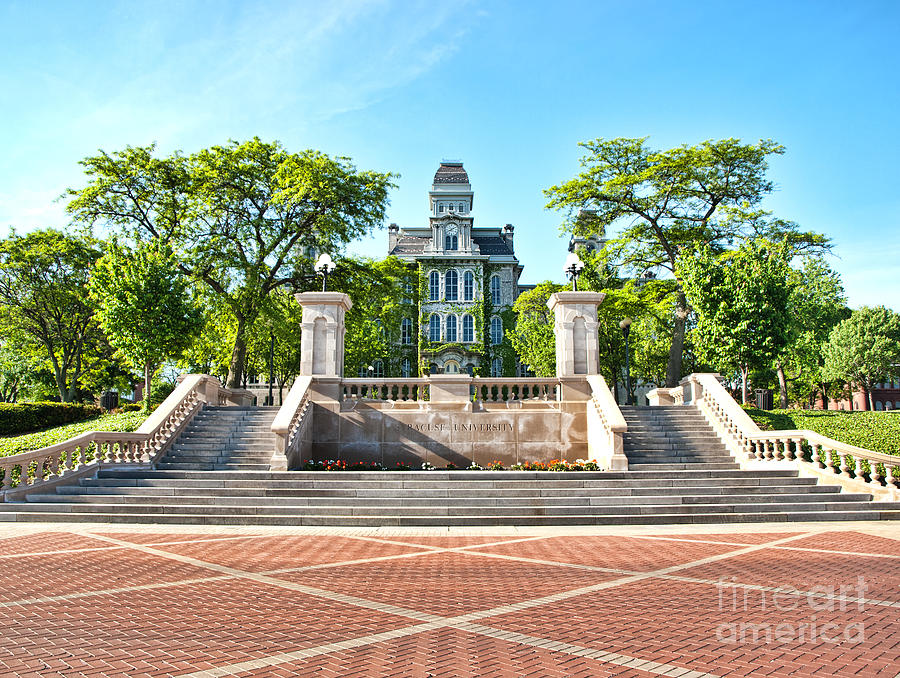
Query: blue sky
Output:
(508,87)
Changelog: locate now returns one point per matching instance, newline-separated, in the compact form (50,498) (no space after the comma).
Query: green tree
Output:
(376,288)
(817,303)
(532,337)
(242,217)
(144,306)
(864,349)
(671,201)
(42,279)
(740,298)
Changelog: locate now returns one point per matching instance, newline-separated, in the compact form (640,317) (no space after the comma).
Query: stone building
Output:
(468,280)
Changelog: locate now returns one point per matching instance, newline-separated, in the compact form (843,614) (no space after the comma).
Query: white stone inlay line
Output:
(435,621)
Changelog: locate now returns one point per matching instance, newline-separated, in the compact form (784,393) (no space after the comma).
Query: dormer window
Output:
(441,207)
(451,207)
(461,207)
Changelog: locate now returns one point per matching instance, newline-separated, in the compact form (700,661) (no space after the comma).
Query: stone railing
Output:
(496,390)
(831,460)
(605,425)
(666,396)
(291,426)
(84,454)
(398,390)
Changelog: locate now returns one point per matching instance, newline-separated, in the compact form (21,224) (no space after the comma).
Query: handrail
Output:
(606,426)
(88,451)
(292,420)
(747,441)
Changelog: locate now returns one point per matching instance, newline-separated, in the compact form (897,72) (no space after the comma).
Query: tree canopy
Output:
(242,219)
(532,337)
(865,348)
(668,202)
(43,276)
(144,306)
(740,297)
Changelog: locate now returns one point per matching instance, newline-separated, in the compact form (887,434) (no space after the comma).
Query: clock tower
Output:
(450,201)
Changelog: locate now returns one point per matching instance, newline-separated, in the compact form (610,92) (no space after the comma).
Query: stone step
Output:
(486,520)
(393,511)
(735,484)
(683,466)
(450,476)
(460,495)
(409,504)
(224,466)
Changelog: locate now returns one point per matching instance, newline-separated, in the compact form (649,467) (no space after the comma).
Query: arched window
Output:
(451,242)
(378,373)
(434,327)
(450,332)
(495,290)
(461,207)
(878,405)
(405,368)
(406,331)
(468,328)
(434,286)
(468,286)
(451,285)
(496,330)
(451,367)
(497,367)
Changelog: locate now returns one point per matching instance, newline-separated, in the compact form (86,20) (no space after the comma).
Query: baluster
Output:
(858,468)
(845,464)
(875,474)
(895,474)
(54,464)
(819,456)
(7,476)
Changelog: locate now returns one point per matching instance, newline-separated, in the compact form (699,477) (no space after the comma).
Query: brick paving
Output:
(159,601)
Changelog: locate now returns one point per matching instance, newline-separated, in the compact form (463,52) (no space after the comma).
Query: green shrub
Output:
(128,421)
(878,431)
(18,418)
(131,407)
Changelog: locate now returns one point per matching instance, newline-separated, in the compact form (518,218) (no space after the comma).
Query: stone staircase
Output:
(224,439)
(217,473)
(670,438)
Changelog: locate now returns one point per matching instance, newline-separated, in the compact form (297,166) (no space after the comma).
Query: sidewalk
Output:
(799,600)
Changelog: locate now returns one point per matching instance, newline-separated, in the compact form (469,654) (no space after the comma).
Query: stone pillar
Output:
(575,327)
(322,341)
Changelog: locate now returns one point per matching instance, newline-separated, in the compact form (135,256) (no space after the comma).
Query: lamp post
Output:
(573,268)
(625,325)
(324,267)
(271,364)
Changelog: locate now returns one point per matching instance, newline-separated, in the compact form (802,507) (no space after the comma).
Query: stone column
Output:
(575,327)
(322,341)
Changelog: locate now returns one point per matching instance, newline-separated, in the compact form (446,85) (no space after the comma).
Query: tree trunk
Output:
(782,385)
(238,356)
(673,367)
(745,372)
(868,393)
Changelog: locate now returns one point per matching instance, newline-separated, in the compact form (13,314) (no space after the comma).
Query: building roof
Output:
(487,244)
(451,173)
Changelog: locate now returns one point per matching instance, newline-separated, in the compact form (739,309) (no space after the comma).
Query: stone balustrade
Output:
(291,425)
(84,454)
(495,390)
(415,390)
(835,461)
(606,426)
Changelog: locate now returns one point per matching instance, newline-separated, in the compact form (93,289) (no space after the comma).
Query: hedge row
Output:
(18,418)
(121,421)
(878,431)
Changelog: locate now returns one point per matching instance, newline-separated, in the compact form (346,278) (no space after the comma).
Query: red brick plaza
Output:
(160,601)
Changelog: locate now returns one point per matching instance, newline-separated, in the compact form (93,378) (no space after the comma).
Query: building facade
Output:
(468,279)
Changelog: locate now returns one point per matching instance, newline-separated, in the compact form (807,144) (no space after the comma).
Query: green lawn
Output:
(125,421)
(879,431)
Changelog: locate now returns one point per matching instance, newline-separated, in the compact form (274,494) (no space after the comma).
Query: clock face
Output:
(451,229)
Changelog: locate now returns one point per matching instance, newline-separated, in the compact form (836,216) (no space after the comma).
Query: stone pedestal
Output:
(450,391)
(575,327)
